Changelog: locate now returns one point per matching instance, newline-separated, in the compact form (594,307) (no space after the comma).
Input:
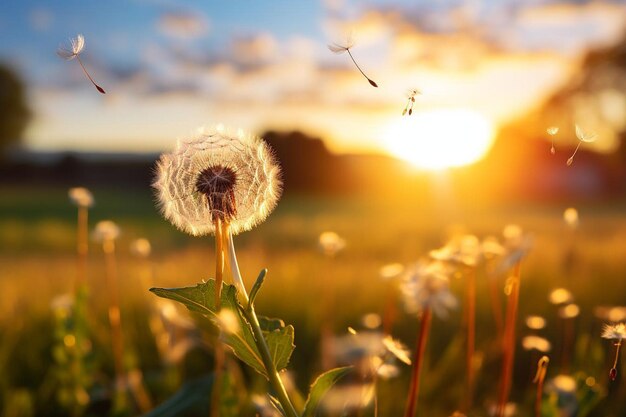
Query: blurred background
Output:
(474,156)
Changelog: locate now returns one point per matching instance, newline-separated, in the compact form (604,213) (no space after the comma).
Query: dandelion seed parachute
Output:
(253,190)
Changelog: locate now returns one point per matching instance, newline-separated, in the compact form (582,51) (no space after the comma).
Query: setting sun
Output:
(439,139)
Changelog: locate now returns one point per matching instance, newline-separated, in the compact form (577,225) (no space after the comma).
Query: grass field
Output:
(38,263)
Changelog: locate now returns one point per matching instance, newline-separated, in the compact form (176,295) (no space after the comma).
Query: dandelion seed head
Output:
(562,384)
(614,331)
(535,322)
(570,216)
(76,46)
(81,196)
(536,343)
(552,130)
(426,285)
(492,248)
(461,250)
(391,271)
(371,321)
(141,247)
(397,349)
(106,230)
(218,176)
(569,311)
(560,296)
(331,243)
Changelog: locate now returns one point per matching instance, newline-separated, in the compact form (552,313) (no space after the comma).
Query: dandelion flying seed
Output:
(340,49)
(583,136)
(76,47)
(410,101)
(552,130)
(615,332)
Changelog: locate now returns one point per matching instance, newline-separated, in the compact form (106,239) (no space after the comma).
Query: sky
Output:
(170,67)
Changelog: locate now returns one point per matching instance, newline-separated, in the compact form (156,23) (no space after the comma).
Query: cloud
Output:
(183,25)
(261,81)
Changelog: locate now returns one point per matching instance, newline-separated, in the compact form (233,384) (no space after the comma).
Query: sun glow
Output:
(438,139)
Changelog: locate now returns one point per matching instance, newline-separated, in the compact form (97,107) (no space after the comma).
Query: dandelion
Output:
(83,199)
(517,245)
(615,332)
(560,296)
(390,272)
(552,131)
(426,290)
(331,243)
(371,321)
(540,376)
(340,49)
(410,101)
(223,184)
(535,322)
(537,343)
(107,232)
(374,355)
(77,45)
(465,251)
(141,247)
(583,136)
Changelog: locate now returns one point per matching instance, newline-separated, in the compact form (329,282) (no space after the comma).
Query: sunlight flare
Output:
(439,139)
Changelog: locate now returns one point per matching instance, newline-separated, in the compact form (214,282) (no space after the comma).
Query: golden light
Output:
(438,139)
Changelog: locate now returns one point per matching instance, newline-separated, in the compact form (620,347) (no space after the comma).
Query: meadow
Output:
(38,264)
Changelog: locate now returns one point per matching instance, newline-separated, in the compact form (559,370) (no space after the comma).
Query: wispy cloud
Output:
(183,25)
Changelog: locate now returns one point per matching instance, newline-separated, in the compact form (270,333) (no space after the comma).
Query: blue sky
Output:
(171,66)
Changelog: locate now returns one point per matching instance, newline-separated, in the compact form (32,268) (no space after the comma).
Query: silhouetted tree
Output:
(14,111)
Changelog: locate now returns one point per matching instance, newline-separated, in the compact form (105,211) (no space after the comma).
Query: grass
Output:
(37,263)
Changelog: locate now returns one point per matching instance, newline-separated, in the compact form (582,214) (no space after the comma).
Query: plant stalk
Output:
(471,337)
(219,348)
(270,368)
(509,341)
(418,358)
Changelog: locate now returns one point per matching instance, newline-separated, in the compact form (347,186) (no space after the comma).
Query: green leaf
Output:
(320,387)
(201,299)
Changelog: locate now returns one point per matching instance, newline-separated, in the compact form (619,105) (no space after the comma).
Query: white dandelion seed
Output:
(331,243)
(552,130)
(614,331)
(218,177)
(76,47)
(341,48)
(81,196)
(583,136)
(426,285)
(106,230)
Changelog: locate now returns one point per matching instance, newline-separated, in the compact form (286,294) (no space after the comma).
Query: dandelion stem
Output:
(114,313)
(234,267)
(100,89)
(360,70)
(613,372)
(220,229)
(542,368)
(509,341)
(82,246)
(270,368)
(418,357)
(471,336)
